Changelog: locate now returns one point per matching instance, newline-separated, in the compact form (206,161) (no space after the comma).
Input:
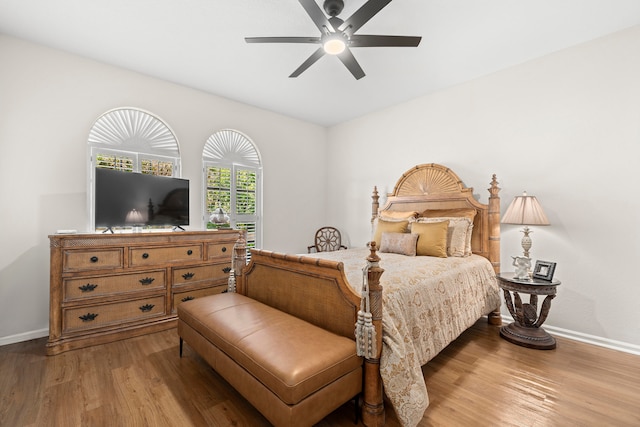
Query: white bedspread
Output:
(428,302)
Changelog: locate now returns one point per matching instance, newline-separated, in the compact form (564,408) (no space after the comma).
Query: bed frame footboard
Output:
(317,291)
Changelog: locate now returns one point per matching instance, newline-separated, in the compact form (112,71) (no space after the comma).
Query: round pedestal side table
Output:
(526,330)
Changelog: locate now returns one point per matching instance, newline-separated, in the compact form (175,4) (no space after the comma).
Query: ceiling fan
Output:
(338,36)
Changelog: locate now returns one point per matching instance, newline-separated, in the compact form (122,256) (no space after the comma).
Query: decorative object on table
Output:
(525,210)
(526,329)
(544,270)
(134,218)
(219,218)
(523,267)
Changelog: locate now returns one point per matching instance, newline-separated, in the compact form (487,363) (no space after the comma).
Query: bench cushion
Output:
(291,357)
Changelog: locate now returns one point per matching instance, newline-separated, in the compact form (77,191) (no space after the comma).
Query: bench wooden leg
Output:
(357,403)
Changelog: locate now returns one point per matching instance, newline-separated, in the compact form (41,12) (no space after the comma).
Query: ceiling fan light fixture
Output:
(334,45)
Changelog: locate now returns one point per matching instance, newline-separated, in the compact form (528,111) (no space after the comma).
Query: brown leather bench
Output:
(295,373)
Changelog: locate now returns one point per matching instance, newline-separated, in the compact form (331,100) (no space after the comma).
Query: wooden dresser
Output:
(108,287)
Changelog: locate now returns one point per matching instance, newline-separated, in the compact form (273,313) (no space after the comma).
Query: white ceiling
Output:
(200,44)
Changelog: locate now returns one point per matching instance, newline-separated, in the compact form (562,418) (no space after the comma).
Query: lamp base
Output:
(526,241)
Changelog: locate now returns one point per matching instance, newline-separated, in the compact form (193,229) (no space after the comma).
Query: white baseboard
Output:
(26,336)
(586,338)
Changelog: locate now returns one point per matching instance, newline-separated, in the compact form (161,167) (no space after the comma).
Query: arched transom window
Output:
(232,176)
(133,140)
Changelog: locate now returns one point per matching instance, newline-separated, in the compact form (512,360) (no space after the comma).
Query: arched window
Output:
(233,182)
(133,140)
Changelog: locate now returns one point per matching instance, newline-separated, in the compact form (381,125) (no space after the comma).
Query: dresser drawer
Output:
(180,297)
(79,260)
(89,287)
(201,273)
(164,255)
(90,317)
(217,250)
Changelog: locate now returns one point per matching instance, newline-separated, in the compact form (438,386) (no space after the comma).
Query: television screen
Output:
(134,199)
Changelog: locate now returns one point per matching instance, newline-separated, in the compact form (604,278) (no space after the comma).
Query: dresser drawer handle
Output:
(146,307)
(188,276)
(226,269)
(224,249)
(147,280)
(189,252)
(187,298)
(88,317)
(145,255)
(88,287)
(94,259)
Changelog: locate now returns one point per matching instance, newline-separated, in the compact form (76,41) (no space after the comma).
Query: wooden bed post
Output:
(375,204)
(239,262)
(373,406)
(240,253)
(494,317)
(494,224)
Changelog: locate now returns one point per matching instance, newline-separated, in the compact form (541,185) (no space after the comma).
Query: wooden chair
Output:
(327,239)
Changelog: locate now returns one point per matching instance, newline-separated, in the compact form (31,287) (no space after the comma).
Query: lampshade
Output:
(134,217)
(525,210)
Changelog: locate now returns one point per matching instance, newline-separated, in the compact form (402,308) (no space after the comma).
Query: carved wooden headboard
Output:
(433,186)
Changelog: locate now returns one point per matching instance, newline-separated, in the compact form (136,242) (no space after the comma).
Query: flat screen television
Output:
(128,199)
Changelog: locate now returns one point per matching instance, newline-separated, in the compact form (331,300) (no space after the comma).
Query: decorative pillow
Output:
(399,243)
(383,226)
(401,215)
(459,212)
(458,233)
(432,238)
(467,244)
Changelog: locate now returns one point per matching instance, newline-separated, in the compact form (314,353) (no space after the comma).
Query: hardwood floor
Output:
(479,380)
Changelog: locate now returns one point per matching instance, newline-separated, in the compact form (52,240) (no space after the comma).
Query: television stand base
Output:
(108,229)
(177,228)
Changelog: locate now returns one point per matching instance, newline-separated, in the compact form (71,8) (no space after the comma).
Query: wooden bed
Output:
(412,324)
(432,186)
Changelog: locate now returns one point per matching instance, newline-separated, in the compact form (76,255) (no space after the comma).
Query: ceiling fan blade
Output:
(317,15)
(362,15)
(282,39)
(358,40)
(309,62)
(350,62)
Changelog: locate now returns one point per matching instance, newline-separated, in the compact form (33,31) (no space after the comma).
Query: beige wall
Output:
(48,102)
(565,128)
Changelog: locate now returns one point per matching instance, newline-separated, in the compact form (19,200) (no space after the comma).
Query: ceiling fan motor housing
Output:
(333,7)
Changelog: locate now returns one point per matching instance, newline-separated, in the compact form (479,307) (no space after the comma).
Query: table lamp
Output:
(525,210)
(134,218)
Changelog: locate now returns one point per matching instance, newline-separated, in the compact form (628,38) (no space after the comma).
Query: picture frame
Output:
(544,270)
